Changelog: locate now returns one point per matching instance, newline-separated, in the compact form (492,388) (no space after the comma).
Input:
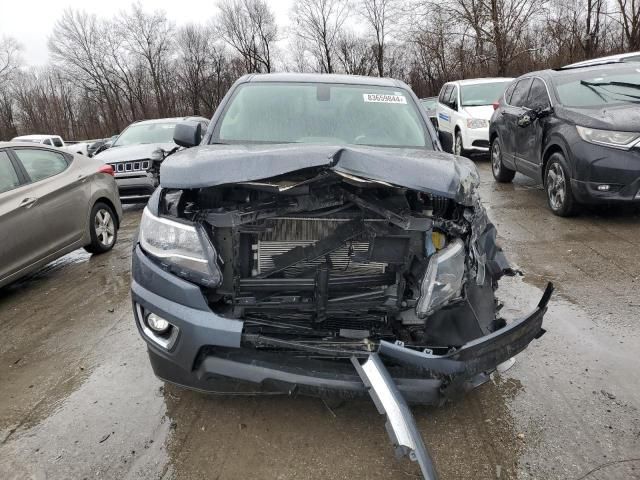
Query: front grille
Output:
(133,166)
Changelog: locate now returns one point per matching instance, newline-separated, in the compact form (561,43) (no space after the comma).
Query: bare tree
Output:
(193,62)
(250,28)
(79,46)
(10,59)
(10,62)
(106,72)
(150,36)
(500,23)
(355,54)
(381,16)
(299,56)
(595,13)
(318,23)
(630,19)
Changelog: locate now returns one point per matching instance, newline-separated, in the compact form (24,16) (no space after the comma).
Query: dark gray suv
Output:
(576,130)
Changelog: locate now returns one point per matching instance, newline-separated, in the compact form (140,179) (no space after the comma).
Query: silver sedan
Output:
(51,203)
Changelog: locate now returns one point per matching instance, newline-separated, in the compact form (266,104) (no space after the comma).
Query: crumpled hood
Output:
(482,111)
(131,152)
(422,170)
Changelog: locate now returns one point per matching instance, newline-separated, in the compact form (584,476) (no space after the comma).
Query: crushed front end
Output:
(282,281)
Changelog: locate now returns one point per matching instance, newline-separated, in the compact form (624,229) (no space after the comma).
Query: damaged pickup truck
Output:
(318,241)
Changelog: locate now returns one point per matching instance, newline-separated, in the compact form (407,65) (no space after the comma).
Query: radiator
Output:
(342,259)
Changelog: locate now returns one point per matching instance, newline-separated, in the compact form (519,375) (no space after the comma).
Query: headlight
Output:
(157,155)
(183,248)
(609,138)
(477,123)
(443,280)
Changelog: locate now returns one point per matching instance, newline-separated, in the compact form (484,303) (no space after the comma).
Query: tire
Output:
(557,186)
(501,173)
(102,228)
(457,145)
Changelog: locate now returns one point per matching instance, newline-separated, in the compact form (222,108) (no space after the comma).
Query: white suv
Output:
(464,110)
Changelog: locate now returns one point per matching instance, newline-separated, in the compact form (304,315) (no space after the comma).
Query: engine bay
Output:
(320,256)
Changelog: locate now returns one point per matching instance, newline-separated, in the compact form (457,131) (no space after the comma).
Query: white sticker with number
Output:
(384,98)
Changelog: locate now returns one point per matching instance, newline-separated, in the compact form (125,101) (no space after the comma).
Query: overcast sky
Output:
(31,21)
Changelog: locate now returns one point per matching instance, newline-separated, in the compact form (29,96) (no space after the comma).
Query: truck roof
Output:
(287,77)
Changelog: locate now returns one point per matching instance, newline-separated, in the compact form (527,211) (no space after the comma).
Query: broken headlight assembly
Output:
(183,248)
(443,279)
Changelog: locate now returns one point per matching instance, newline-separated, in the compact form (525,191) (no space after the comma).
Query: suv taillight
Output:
(106,168)
(496,104)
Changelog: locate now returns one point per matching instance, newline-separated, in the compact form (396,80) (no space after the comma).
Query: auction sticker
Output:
(384,98)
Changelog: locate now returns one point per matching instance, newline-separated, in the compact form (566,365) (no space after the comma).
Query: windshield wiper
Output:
(592,86)
(614,83)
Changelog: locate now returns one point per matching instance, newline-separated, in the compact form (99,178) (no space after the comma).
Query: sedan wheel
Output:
(105,227)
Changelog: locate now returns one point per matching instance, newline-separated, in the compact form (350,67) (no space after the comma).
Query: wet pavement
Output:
(78,398)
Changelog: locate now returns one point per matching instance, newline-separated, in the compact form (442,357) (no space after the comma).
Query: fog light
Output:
(157,324)
(604,188)
(156,329)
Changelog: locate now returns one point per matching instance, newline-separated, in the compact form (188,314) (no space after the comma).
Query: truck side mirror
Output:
(187,134)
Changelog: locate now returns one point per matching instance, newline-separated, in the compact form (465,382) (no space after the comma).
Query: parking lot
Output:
(79,399)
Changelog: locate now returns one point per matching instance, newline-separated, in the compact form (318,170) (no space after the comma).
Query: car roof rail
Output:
(594,64)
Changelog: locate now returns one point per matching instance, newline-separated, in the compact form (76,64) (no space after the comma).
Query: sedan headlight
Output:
(608,138)
(443,280)
(477,123)
(184,248)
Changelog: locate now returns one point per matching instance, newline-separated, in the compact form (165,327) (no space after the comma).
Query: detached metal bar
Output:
(401,425)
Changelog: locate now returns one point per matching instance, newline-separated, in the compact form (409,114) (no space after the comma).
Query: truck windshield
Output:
(482,93)
(146,133)
(596,88)
(322,113)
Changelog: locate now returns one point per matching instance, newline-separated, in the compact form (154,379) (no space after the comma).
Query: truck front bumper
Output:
(208,352)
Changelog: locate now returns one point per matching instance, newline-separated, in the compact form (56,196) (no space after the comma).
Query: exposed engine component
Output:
(316,254)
